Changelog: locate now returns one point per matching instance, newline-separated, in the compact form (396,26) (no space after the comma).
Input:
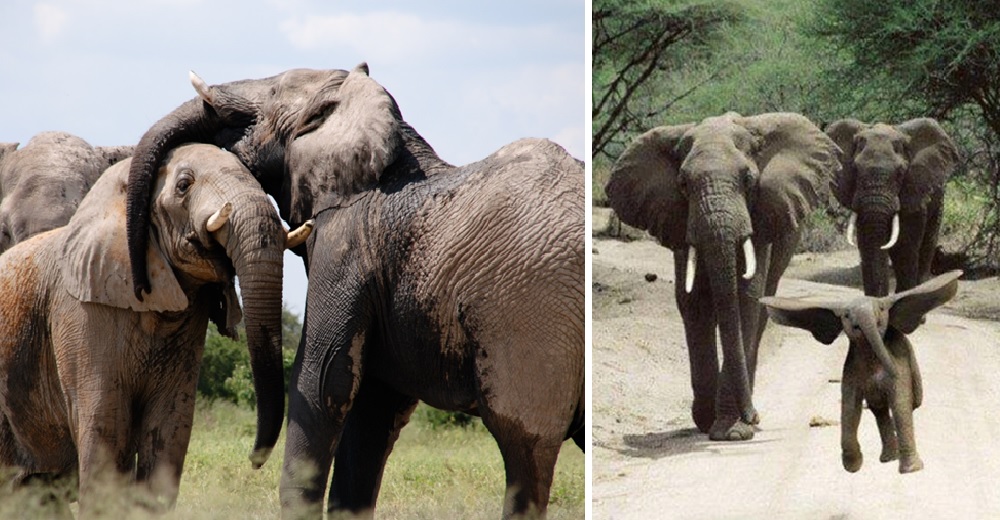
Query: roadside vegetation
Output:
(827,59)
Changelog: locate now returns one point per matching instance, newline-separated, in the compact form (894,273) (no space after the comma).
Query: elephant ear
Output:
(821,319)
(933,158)
(345,137)
(643,187)
(907,309)
(96,261)
(797,163)
(842,132)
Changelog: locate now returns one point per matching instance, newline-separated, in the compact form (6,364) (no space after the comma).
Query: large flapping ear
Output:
(96,260)
(357,126)
(908,308)
(643,187)
(933,158)
(842,132)
(820,319)
(797,163)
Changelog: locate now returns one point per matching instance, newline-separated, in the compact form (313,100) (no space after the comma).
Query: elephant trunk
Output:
(719,233)
(873,337)
(874,231)
(256,246)
(190,122)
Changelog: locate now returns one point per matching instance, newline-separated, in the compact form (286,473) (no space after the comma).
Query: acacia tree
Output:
(933,57)
(635,42)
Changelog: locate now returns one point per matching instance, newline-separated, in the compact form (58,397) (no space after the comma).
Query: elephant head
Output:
(888,171)
(227,115)
(866,319)
(42,183)
(717,188)
(209,220)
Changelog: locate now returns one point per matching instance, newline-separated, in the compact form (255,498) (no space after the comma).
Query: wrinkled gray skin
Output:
(707,189)
(459,286)
(93,381)
(881,367)
(42,183)
(889,171)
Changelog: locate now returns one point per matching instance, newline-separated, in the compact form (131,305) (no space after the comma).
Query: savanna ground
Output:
(435,471)
(650,462)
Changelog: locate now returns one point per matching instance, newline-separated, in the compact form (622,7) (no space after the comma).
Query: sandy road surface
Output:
(649,461)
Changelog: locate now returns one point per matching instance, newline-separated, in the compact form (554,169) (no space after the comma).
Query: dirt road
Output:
(650,462)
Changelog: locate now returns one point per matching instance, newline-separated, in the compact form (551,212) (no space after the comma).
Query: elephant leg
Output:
(324,383)
(700,332)
(106,455)
(850,418)
(905,255)
(902,414)
(164,434)
(886,429)
(377,416)
(930,239)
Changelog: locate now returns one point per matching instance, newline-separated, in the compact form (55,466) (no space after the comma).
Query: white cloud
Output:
(50,21)
(395,37)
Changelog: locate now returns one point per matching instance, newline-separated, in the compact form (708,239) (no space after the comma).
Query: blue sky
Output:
(469,76)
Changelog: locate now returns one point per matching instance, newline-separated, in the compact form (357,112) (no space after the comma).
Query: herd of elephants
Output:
(460,286)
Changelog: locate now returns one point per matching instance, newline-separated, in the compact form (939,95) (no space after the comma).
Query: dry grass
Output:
(433,473)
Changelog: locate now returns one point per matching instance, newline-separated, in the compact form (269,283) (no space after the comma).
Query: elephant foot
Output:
(703,413)
(888,454)
(730,429)
(910,464)
(852,460)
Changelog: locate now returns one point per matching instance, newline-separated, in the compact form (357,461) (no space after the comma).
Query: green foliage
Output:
(435,418)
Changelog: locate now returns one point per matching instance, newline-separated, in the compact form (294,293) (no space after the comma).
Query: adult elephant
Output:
(727,196)
(460,286)
(42,183)
(93,380)
(893,181)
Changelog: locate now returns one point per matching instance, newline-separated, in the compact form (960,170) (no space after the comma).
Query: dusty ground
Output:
(650,462)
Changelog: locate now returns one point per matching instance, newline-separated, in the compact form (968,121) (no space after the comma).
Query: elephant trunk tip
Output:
(260,455)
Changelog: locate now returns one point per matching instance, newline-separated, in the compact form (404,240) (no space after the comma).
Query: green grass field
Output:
(444,472)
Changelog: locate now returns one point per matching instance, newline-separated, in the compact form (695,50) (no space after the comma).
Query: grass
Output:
(434,472)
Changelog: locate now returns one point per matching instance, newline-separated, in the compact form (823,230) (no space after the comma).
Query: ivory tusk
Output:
(852,229)
(199,86)
(219,218)
(751,259)
(895,232)
(689,272)
(297,237)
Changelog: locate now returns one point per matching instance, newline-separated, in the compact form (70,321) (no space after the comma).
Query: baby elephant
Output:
(881,367)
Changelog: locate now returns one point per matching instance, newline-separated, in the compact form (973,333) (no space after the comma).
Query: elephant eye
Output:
(184,183)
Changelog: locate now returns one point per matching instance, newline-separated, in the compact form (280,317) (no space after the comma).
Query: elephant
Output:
(727,196)
(893,180)
(881,367)
(42,183)
(459,286)
(96,383)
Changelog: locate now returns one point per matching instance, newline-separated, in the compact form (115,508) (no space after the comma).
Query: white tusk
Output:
(751,258)
(689,273)
(895,232)
(219,218)
(852,229)
(200,86)
(300,235)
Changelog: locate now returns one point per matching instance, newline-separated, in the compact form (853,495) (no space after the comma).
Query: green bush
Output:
(441,419)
